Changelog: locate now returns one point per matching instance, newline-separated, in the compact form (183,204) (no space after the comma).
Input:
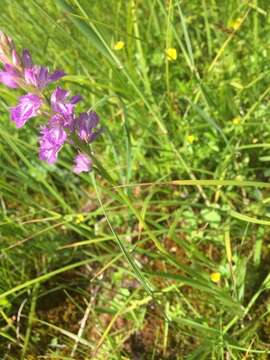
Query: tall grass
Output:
(117,264)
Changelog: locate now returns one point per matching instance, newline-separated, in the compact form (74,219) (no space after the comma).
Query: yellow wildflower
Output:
(215,277)
(236,120)
(191,139)
(171,54)
(79,218)
(235,25)
(119,45)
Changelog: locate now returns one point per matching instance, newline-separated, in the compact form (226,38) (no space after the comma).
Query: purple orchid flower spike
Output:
(85,126)
(62,123)
(82,163)
(51,141)
(39,76)
(28,107)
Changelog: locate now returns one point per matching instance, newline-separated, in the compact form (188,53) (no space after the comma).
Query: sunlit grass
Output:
(162,253)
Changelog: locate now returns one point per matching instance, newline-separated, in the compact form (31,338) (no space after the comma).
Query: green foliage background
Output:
(117,264)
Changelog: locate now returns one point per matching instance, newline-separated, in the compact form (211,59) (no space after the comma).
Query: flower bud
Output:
(16,60)
(4,59)
(4,40)
(6,48)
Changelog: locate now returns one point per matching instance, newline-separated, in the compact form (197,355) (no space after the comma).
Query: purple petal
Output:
(37,76)
(54,135)
(27,59)
(43,77)
(61,105)
(11,69)
(10,76)
(8,79)
(55,120)
(85,125)
(59,94)
(56,75)
(82,163)
(51,141)
(30,76)
(48,154)
(75,99)
(95,135)
(58,136)
(27,108)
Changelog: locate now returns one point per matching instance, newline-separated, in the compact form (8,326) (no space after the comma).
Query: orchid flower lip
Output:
(28,107)
(82,163)
(51,141)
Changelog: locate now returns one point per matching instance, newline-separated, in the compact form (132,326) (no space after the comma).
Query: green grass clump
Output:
(163,254)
